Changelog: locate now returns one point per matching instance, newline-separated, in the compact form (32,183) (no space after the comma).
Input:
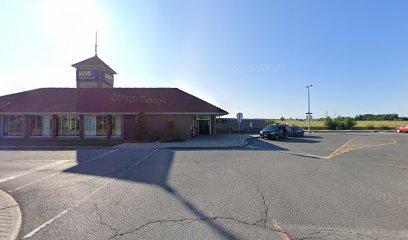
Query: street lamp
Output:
(308,107)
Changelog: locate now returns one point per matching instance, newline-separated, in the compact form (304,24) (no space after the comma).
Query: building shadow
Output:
(134,166)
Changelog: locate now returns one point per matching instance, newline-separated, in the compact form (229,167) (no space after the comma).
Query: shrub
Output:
(329,123)
(340,123)
(370,126)
(385,127)
(349,122)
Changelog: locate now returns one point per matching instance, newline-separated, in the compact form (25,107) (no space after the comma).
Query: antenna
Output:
(96,44)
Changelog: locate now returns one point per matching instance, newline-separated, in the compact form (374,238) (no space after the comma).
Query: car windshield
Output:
(271,128)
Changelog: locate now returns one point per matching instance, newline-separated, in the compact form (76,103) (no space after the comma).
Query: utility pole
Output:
(308,107)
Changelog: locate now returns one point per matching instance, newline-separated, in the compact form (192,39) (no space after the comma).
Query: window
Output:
(13,125)
(96,125)
(102,125)
(68,125)
(90,125)
(116,125)
(40,125)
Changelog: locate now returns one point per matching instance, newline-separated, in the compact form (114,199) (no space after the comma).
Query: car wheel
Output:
(398,130)
(302,134)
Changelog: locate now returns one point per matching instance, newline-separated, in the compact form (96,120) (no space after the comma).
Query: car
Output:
(275,131)
(296,131)
(401,129)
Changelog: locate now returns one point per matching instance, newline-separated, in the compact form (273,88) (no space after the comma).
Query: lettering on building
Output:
(138,99)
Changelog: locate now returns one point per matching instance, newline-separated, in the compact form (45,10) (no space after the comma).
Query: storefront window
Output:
(116,125)
(40,125)
(68,125)
(96,125)
(90,125)
(101,125)
(13,125)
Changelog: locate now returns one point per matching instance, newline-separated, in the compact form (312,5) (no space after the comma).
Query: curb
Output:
(53,147)
(10,217)
(350,131)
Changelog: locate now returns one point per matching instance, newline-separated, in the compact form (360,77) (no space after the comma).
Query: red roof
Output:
(93,62)
(106,100)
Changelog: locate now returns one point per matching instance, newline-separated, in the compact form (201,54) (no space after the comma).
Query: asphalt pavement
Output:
(322,186)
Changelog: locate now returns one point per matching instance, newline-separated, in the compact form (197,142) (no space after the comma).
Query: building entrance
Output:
(203,127)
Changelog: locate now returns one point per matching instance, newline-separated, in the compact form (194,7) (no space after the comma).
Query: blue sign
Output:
(108,77)
(87,74)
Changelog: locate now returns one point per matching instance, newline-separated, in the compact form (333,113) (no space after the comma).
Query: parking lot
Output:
(321,186)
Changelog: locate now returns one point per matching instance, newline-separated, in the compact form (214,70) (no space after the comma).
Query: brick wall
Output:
(156,126)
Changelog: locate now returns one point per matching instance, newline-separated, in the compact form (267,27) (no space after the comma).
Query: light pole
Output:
(308,107)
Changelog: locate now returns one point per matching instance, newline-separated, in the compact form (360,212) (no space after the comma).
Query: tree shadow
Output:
(142,166)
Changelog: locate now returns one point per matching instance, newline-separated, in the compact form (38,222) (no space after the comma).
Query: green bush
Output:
(370,126)
(329,123)
(384,127)
(340,123)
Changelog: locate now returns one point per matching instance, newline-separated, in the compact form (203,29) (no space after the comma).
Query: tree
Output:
(329,123)
(349,122)
(340,123)
(141,130)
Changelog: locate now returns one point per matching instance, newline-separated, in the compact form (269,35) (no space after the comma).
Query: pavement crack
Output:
(255,224)
(101,222)
(264,218)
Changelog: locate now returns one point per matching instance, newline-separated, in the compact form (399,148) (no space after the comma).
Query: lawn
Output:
(315,124)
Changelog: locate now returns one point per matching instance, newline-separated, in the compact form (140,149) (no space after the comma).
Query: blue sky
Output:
(254,57)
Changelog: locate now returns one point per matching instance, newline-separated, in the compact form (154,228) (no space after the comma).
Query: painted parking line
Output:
(53,174)
(353,144)
(33,170)
(33,182)
(86,198)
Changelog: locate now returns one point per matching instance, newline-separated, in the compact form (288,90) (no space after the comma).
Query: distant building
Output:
(230,125)
(95,109)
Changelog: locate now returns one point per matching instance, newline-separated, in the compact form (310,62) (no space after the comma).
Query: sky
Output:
(254,57)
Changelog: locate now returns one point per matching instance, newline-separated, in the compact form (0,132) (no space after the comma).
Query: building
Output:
(248,125)
(95,109)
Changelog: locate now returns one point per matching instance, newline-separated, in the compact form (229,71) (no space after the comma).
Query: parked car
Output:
(401,129)
(275,131)
(296,132)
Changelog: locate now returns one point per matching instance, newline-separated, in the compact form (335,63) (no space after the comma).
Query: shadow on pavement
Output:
(310,136)
(298,140)
(134,166)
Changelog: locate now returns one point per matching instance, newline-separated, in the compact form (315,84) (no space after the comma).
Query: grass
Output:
(360,124)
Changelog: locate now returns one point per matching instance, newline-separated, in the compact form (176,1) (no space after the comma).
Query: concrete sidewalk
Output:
(10,217)
(213,141)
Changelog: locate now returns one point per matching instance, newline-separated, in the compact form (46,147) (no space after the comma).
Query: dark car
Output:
(275,131)
(296,132)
